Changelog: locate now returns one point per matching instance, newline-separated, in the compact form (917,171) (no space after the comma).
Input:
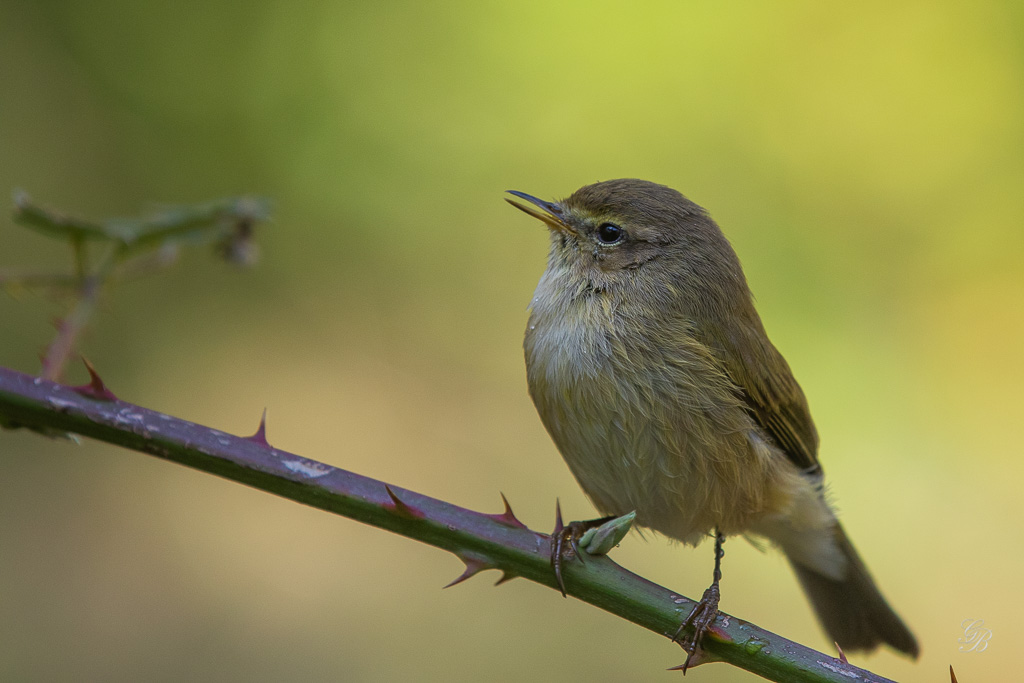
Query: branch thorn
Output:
(260,436)
(507,517)
(474,565)
(95,388)
(692,661)
(559,526)
(401,507)
(505,576)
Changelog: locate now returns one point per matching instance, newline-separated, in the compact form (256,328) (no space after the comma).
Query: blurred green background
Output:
(865,160)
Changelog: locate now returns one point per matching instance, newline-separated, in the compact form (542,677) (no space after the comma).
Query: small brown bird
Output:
(653,374)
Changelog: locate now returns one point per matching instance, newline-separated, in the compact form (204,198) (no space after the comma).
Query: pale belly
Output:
(639,436)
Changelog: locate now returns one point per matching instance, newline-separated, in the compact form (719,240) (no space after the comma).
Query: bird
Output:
(651,370)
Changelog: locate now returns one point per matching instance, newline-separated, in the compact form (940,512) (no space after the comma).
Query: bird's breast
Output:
(645,418)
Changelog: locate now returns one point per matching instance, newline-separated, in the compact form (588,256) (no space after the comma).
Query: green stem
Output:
(81,267)
(71,325)
(68,329)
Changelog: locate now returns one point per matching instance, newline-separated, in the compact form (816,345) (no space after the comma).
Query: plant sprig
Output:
(109,250)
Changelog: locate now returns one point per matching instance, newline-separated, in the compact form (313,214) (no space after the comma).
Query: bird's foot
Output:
(703,614)
(592,537)
(701,619)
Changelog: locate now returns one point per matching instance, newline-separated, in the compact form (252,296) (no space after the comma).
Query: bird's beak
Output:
(552,211)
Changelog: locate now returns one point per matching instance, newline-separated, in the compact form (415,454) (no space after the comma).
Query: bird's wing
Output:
(774,398)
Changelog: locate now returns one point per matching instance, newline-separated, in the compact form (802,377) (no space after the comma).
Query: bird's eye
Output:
(609,233)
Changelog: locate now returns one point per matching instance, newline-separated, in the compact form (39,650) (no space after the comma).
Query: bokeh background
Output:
(865,159)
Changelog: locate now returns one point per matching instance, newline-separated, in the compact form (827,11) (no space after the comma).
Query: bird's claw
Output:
(565,542)
(701,618)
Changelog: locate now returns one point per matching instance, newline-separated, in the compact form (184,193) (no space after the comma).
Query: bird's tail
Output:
(851,608)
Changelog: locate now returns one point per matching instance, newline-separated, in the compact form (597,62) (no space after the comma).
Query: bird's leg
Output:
(565,542)
(705,611)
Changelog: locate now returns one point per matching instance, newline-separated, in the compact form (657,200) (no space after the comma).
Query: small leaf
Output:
(601,540)
(51,223)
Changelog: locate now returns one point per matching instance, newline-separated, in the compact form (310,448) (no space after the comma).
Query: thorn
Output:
(952,676)
(95,388)
(507,517)
(260,436)
(401,507)
(842,655)
(559,526)
(474,566)
(693,660)
(505,576)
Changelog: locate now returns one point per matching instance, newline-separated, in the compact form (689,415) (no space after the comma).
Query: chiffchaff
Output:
(652,372)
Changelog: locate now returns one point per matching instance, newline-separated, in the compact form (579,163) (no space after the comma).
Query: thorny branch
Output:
(482,541)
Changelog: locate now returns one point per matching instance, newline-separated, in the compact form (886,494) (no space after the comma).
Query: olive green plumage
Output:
(651,370)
